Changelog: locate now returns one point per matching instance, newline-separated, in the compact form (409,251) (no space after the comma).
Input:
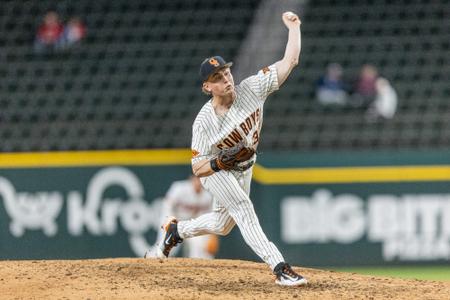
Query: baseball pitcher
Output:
(225,135)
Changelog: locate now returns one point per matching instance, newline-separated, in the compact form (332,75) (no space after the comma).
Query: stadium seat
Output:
(132,83)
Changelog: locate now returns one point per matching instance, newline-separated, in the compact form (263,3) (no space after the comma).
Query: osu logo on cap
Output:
(214,62)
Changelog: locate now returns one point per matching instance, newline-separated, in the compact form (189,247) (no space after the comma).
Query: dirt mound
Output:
(177,278)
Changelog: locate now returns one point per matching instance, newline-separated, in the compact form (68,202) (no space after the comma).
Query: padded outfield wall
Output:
(320,209)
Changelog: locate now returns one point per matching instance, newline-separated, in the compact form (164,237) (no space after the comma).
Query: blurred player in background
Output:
(186,199)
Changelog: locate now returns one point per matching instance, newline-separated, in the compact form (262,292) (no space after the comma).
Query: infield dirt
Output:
(177,278)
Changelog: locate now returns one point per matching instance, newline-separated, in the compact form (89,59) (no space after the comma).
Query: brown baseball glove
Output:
(233,158)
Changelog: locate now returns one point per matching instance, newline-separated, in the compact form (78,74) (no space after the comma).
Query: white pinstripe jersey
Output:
(211,132)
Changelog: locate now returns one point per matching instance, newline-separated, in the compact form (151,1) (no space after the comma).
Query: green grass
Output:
(421,272)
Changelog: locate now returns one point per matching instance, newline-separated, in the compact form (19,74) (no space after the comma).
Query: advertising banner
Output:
(319,209)
(87,212)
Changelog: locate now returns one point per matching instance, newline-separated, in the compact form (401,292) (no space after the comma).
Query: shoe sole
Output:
(300,282)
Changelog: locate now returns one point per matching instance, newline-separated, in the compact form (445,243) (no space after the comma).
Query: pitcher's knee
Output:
(224,229)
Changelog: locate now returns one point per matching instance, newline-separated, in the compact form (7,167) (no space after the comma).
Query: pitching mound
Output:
(134,278)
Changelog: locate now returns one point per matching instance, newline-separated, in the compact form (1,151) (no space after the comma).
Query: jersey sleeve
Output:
(264,82)
(199,144)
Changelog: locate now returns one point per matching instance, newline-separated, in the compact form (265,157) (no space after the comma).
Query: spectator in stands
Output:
(385,103)
(49,34)
(74,32)
(364,91)
(331,89)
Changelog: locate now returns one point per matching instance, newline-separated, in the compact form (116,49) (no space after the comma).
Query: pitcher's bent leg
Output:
(216,222)
(226,190)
